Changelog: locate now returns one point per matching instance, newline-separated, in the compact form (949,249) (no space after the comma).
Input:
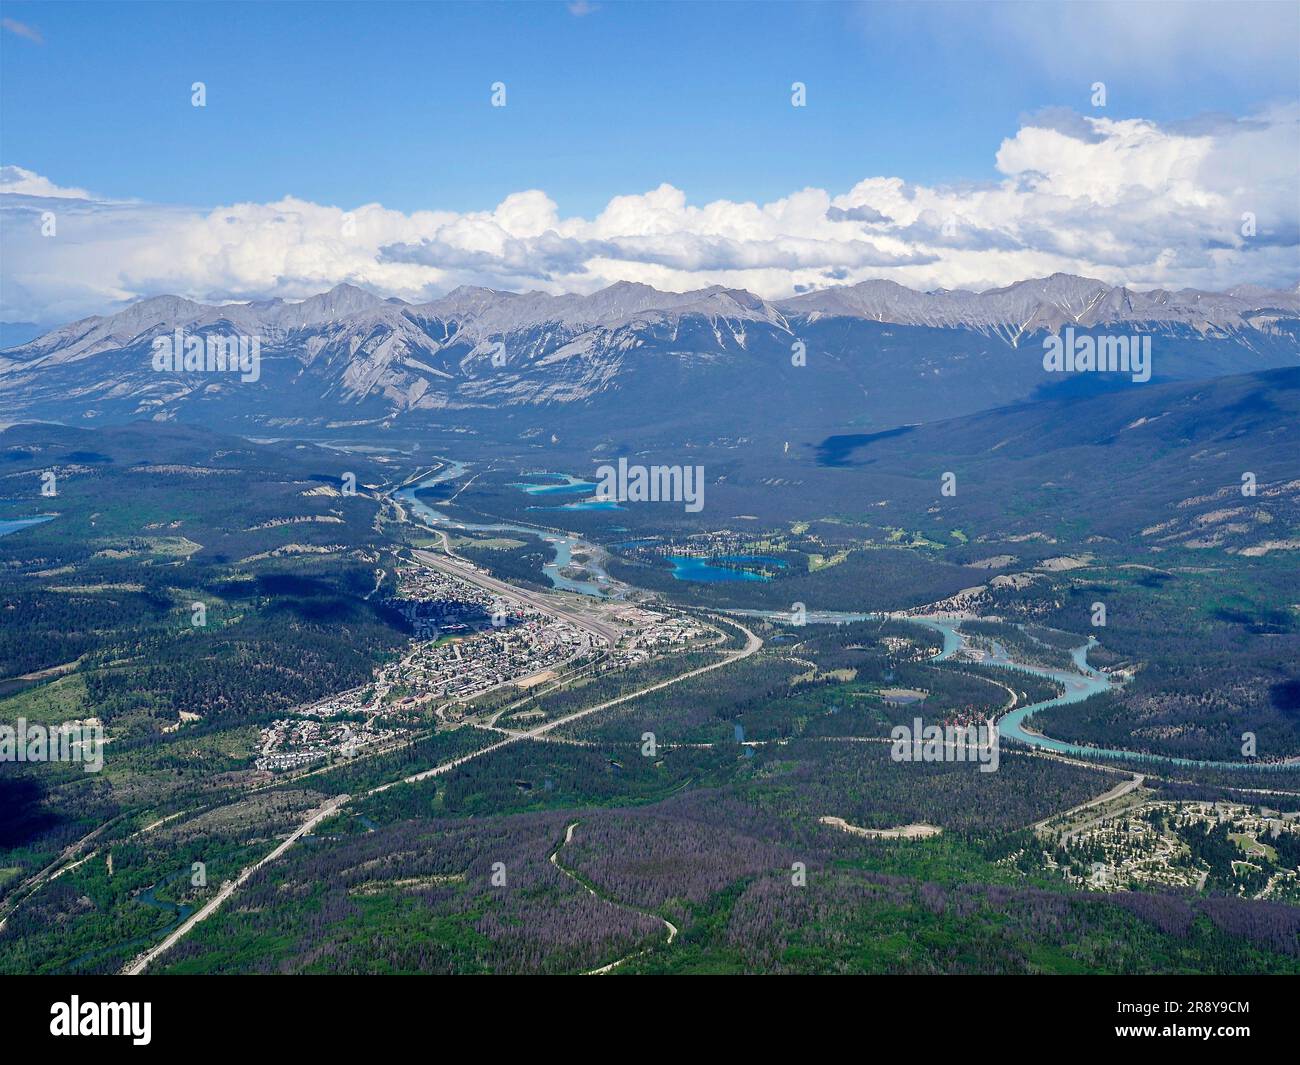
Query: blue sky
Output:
(351,103)
(942,145)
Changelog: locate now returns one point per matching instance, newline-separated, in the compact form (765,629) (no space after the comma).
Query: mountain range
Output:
(874,354)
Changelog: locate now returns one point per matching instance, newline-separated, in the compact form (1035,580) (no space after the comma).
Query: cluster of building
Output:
(902,649)
(466,641)
(718,542)
(437,604)
(523,646)
(652,633)
(291,743)
(1140,846)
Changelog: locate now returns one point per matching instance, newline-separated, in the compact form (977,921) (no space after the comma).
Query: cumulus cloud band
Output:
(1208,203)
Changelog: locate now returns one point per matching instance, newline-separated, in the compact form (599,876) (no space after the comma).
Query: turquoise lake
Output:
(693,568)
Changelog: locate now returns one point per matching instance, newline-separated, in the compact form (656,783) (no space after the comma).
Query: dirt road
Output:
(136,967)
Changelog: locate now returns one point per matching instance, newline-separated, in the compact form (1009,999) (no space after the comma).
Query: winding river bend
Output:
(564,544)
(1076,687)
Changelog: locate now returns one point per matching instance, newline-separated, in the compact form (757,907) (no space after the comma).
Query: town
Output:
(467,641)
(1247,851)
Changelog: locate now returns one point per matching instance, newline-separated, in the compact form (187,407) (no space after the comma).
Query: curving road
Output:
(752,644)
(668,925)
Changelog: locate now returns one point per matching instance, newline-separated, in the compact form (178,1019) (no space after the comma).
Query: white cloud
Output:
(1126,201)
(14,180)
(1245,42)
(21,29)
